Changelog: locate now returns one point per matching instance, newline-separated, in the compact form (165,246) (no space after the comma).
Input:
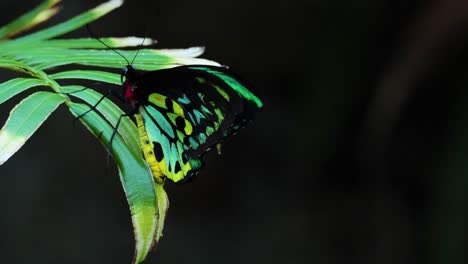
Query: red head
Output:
(129,84)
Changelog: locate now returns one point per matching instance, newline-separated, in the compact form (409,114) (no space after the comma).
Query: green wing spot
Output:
(202,97)
(183,100)
(166,103)
(193,143)
(161,121)
(209,130)
(195,163)
(234,84)
(219,114)
(198,116)
(180,136)
(158,100)
(202,138)
(220,91)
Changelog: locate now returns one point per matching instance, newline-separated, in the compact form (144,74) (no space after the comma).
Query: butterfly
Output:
(183,112)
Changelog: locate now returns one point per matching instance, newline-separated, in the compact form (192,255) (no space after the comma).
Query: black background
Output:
(358,157)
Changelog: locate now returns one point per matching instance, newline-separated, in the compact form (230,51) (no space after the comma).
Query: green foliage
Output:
(38,56)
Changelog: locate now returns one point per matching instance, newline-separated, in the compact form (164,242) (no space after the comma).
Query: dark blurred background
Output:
(360,156)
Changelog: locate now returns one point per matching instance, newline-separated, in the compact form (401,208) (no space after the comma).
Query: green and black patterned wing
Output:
(187,110)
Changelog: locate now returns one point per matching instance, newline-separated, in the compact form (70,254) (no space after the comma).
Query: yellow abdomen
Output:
(148,152)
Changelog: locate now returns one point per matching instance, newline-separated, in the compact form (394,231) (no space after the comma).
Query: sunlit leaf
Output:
(73,23)
(136,179)
(22,67)
(24,120)
(191,52)
(13,87)
(163,206)
(30,19)
(147,59)
(86,43)
(127,129)
(100,76)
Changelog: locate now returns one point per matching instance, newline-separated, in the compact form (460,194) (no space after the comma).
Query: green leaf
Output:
(100,76)
(13,87)
(191,52)
(136,179)
(25,119)
(127,129)
(30,19)
(147,59)
(73,23)
(22,67)
(86,43)
(163,206)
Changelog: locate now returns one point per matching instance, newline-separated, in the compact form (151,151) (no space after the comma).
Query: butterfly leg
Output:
(82,89)
(76,91)
(92,107)
(106,95)
(116,128)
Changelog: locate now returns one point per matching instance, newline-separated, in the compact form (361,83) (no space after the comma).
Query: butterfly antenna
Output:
(140,46)
(102,42)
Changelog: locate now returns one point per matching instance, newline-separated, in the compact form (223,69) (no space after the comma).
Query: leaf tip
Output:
(115,3)
(44,15)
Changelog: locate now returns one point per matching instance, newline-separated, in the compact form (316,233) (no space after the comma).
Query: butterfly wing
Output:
(189,109)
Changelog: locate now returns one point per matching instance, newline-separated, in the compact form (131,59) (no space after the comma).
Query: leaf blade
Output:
(87,43)
(73,23)
(100,76)
(147,59)
(30,19)
(127,129)
(13,87)
(163,206)
(21,67)
(24,120)
(136,179)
